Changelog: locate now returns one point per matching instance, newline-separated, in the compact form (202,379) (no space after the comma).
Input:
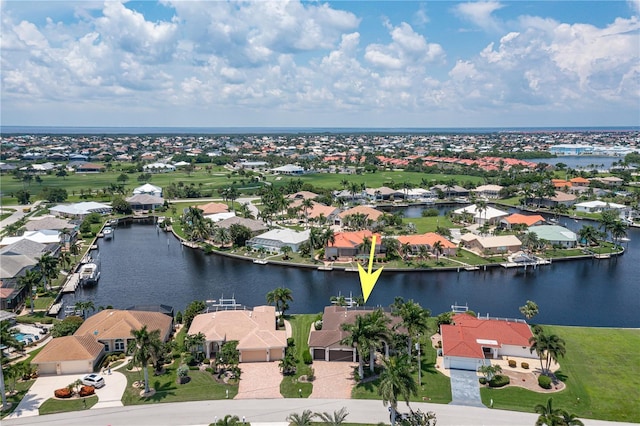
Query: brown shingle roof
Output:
(69,348)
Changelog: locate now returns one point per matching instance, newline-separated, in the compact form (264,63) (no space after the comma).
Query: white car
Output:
(95,380)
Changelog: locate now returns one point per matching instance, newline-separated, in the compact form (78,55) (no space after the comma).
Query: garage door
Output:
(463,364)
(338,355)
(254,356)
(76,367)
(318,354)
(45,369)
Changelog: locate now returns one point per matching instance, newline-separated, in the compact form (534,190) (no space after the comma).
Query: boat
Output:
(71,310)
(89,274)
(107,232)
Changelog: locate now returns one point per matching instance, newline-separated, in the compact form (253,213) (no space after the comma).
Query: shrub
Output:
(206,361)
(62,393)
(290,342)
(306,357)
(499,381)
(483,380)
(524,365)
(87,391)
(183,371)
(318,325)
(512,363)
(544,382)
(129,366)
(190,360)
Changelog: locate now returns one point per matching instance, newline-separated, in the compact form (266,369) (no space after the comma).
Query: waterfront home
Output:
(554,201)
(256,226)
(598,206)
(383,193)
(43,236)
(488,191)
(273,241)
(610,180)
(492,244)
(516,219)
(213,208)
(80,210)
(452,191)
(149,189)
(348,245)
(369,213)
(69,355)
(317,211)
(15,260)
(325,345)
(255,331)
(144,202)
(555,235)
(489,214)
(48,222)
(428,240)
(469,342)
(420,194)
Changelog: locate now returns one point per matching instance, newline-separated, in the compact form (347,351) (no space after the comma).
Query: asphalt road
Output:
(275,412)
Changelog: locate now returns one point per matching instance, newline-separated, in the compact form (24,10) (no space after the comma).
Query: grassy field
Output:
(51,406)
(601,371)
(300,327)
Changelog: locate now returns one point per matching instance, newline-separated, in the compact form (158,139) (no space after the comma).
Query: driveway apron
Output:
(465,389)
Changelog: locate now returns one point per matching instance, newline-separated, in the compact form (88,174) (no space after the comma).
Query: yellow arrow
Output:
(367,278)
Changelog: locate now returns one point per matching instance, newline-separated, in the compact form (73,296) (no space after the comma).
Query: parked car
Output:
(95,380)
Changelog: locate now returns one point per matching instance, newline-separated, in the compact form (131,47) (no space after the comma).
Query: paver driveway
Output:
(465,389)
(333,379)
(259,380)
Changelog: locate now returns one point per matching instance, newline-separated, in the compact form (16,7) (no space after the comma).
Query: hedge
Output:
(499,381)
(544,382)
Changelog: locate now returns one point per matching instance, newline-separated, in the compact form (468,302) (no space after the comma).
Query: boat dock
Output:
(71,284)
(54,310)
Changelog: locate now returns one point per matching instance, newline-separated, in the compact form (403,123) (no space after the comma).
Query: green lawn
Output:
(602,376)
(21,390)
(300,327)
(202,386)
(42,302)
(51,406)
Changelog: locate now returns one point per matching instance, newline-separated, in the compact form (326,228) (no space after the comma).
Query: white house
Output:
(289,169)
(80,210)
(274,240)
(147,188)
(43,236)
(600,206)
(488,191)
(159,168)
(489,214)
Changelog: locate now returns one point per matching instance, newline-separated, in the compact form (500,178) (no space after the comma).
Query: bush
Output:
(524,365)
(499,381)
(512,363)
(483,380)
(206,361)
(306,357)
(290,342)
(87,391)
(544,382)
(190,360)
(318,325)
(62,393)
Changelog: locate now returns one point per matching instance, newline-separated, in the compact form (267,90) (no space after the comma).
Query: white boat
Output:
(107,232)
(71,310)
(89,274)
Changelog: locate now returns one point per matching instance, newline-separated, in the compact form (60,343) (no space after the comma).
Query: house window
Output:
(106,346)
(119,345)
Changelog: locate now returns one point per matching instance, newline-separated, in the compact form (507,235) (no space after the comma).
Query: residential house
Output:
(559,198)
(348,245)
(469,342)
(43,236)
(39,223)
(69,355)
(492,244)
(256,226)
(489,214)
(80,210)
(555,235)
(522,220)
(428,240)
(598,206)
(89,168)
(420,194)
(255,330)
(369,212)
(148,189)
(453,191)
(141,202)
(159,168)
(213,208)
(488,191)
(383,193)
(289,169)
(273,241)
(303,195)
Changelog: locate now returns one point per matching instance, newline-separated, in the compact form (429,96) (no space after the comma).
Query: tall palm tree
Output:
(8,338)
(588,235)
(65,259)
(337,418)
(376,332)
(570,419)
(280,298)
(396,381)
(84,307)
(306,205)
(618,231)
(548,348)
(144,349)
(549,416)
(357,338)
(438,249)
(303,419)
(406,249)
(392,247)
(30,279)
(414,319)
(48,266)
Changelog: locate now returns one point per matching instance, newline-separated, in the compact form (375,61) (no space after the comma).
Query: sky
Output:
(364,64)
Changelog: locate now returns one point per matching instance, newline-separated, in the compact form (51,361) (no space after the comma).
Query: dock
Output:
(72,283)
(54,310)
(261,261)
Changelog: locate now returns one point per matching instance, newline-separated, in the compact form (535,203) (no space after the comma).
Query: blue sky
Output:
(320,64)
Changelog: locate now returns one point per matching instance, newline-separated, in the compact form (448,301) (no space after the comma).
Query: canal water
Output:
(143,266)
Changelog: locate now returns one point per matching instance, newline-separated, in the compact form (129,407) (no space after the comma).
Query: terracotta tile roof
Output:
(352,239)
(579,181)
(428,239)
(528,220)
(468,334)
(69,348)
(372,213)
(213,208)
(116,324)
(252,329)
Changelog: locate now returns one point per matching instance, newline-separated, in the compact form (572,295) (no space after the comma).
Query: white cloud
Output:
(407,48)
(481,14)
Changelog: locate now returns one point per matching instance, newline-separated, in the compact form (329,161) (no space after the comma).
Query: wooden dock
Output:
(54,310)
(71,284)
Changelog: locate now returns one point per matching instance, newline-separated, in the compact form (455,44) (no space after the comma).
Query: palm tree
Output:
(414,319)
(549,416)
(48,266)
(65,259)
(144,350)
(530,241)
(570,419)
(376,332)
(286,251)
(30,279)
(335,419)
(481,207)
(618,231)
(438,249)
(8,338)
(396,381)
(195,343)
(588,234)
(392,247)
(607,220)
(228,420)
(306,205)
(406,249)
(529,310)
(303,419)
(84,307)
(547,347)
(280,298)
(357,338)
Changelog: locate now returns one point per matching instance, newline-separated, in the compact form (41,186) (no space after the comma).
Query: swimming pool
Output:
(26,338)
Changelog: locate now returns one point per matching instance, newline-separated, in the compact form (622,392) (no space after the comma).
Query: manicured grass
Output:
(601,371)
(202,386)
(430,223)
(40,317)
(42,302)
(21,391)
(300,327)
(51,406)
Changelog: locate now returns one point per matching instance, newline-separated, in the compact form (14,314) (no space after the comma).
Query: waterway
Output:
(143,266)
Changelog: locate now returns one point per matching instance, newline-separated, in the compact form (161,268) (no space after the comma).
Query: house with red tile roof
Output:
(521,219)
(349,244)
(213,208)
(470,342)
(428,239)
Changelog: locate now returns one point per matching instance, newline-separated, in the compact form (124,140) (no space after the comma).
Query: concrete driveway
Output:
(333,379)
(42,389)
(465,389)
(259,380)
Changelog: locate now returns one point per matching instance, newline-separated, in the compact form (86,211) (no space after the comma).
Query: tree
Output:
(48,266)
(438,249)
(23,196)
(286,251)
(303,419)
(307,204)
(194,343)
(396,381)
(529,310)
(489,371)
(194,308)
(547,347)
(588,235)
(120,205)
(570,419)
(122,178)
(67,326)
(8,338)
(228,420)
(229,357)
(414,319)
(549,416)
(280,298)
(144,349)
(357,338)
(240,234)
(337,418)
(54,195)
(30,279)
(376,332)
(85,306)
(618,231)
